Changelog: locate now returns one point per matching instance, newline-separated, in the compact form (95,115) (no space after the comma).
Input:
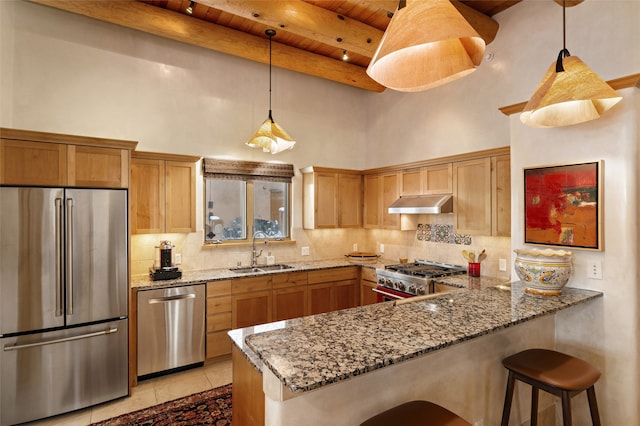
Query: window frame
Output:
(250,173)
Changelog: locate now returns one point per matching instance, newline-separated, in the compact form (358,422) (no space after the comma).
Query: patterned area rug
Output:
(212,407)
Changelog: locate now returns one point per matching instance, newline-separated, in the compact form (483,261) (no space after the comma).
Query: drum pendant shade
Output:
(427,43)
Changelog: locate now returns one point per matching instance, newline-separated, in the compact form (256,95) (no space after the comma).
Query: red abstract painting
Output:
(562,205)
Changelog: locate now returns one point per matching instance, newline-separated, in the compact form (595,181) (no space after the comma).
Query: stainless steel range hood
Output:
(423,204)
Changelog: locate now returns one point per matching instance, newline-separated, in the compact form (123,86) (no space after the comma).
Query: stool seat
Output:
(416,413)
(554,372)
(553,368)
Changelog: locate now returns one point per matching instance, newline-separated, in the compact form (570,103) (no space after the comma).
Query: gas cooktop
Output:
(427,269)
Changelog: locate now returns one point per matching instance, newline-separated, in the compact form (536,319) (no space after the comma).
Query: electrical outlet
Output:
(178,258)
(355,247)
(502,265)
(305,251)
(381,248)
(594,270)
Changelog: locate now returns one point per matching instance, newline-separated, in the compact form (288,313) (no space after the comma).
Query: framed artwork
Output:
(563,205)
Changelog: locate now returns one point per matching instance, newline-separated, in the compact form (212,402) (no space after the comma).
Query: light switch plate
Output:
(502,265)
(381,248)
(305,251)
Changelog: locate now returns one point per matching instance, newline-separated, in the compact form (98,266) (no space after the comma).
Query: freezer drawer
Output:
(46,374)
(171,329)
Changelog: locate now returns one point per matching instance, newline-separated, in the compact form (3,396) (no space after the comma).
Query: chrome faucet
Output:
(254,253)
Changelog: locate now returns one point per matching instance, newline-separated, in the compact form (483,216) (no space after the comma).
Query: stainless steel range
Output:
(412,279)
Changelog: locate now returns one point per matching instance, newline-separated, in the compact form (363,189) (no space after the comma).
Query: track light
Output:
(189,9)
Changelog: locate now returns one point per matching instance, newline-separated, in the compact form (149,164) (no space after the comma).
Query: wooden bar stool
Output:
(554,372)
(416,413)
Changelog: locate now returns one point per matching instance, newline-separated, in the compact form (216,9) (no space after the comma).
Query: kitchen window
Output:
(243,197)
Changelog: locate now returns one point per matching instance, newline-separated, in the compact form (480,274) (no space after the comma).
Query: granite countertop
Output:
(194,277)
(339,345)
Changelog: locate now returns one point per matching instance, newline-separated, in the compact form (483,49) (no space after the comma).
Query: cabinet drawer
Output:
(330,275)
(248,285)
(218,344)
(292,279)
(368,274)
(216,305)
(219,322)
(218,288)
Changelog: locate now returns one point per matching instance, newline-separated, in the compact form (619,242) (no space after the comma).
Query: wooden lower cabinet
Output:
(218,318)
(251,301)
(333,289)
(248,398)
(289,296)
(368,281)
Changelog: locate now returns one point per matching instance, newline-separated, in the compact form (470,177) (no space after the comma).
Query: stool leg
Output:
(593,406)
(566,408)
(506,410)
(534,406)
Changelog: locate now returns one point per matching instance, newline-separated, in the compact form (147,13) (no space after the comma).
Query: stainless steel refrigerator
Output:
(63,300)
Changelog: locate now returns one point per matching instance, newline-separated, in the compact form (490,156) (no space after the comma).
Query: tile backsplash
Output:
(438,233)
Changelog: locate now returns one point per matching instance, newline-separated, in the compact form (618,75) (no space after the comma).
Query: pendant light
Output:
(570,92)
(427,43)
(270,136)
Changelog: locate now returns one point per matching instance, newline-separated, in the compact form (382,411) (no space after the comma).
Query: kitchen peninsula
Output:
(446,349)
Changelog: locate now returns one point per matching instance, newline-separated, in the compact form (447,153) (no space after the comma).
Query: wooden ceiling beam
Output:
(154,20)
(306,20)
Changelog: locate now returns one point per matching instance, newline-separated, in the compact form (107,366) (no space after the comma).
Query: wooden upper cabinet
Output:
(411,182)
(437,179)
(332,198)
(501,195)
(349,200)
(51,159)
(163,190)
(33,163)
(472,196)
(390,193)
(147,196)
(427,180)
(372,200)
(380,191)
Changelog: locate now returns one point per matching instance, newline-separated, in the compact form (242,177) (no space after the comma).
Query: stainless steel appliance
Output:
(171,329)
(412,279)
(63,300)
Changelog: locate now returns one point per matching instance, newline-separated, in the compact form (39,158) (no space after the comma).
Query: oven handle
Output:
(384,293)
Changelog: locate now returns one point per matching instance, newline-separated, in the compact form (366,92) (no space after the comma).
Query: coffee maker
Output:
(163,268)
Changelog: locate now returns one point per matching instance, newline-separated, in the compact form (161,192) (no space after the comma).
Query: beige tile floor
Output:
(150,392)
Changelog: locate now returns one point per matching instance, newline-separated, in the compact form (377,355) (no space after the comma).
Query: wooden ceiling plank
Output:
(307,21)
(183,28)
(486,27)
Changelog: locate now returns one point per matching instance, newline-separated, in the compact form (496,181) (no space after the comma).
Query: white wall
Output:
(69,74)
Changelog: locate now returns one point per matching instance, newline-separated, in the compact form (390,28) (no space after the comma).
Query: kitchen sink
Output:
(262,268)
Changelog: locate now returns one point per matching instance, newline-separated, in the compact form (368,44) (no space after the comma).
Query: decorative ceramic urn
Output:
(544,272)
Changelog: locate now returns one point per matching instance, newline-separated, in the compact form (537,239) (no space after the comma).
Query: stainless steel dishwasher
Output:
(171,329)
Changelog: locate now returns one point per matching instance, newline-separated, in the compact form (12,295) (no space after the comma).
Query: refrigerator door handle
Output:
(65,339)
(172,298)
(59,248)
(69,256)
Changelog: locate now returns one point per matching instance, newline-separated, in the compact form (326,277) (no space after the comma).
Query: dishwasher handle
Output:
(173,298)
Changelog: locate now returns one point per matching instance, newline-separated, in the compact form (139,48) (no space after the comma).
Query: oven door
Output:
(386,294)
